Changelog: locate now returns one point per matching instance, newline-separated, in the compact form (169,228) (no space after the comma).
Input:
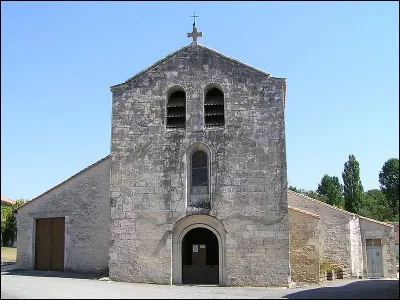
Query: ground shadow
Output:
(366,289)
(38,273)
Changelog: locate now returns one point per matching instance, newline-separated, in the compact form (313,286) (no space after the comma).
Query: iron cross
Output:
(194,19)
(194,34)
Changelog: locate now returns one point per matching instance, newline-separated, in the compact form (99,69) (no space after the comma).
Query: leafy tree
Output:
(6,210)
(389,183)
(9,222)
(294,189)
(332,189)
(375,206)
(352,186)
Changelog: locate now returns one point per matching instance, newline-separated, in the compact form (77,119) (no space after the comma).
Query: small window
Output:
(214,108)
(176,110)
(377,242)
(373,242)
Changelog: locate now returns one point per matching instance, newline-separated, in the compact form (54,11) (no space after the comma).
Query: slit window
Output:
(214,108)
(176,110)
(199,172)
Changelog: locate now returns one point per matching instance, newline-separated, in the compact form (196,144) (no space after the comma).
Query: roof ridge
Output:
(339,209)
(323,203)
(376,221)
(68,179)
(304,211)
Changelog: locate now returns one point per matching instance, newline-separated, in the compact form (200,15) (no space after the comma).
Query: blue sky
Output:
(59,59)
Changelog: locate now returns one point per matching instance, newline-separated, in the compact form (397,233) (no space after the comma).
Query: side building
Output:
(359,246)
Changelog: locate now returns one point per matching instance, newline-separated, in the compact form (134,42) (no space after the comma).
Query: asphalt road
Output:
(16,284)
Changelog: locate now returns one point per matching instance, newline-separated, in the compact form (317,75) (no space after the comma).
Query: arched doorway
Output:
(184,226)
(200,257)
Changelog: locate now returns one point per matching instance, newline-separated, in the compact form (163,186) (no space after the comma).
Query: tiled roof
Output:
(320,202)
(303,211)
(339,209)
(7,201)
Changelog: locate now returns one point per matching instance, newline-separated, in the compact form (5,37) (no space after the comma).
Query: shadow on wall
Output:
(38,273)
(365,289)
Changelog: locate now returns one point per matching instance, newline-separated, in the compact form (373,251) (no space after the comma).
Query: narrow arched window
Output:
(176,110)
(199,172)
(199,176)
(214,108)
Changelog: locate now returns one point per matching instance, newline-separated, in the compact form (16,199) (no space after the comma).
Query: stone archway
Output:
(182,228)
(200,261)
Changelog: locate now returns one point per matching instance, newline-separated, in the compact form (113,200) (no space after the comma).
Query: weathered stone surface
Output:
(343,236)
(85,203)
(371,229)
(335,229)
(149,165)
(304,245)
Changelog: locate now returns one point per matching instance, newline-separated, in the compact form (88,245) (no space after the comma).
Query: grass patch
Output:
(8,253)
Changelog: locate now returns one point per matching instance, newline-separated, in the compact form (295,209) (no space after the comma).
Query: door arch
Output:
(185,225)
(200,257)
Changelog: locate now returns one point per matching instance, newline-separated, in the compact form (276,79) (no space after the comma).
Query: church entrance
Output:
(200,260)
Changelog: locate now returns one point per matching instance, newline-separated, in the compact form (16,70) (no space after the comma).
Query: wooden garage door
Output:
(49,244)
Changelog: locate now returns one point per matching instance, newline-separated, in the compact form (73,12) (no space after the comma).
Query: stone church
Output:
(194,190)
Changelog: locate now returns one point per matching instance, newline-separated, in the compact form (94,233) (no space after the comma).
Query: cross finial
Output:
(194,19)
(194,34)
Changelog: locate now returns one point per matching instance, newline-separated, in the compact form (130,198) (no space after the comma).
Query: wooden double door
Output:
(49,244)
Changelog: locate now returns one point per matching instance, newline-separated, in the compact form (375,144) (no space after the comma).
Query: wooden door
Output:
(43,244)
(57,244)
(199,255)
(374,261)
(49,244)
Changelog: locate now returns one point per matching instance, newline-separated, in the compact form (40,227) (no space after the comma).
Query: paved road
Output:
(17,284)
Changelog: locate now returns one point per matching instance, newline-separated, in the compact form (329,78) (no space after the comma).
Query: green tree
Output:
(294,189)
(9,223)
(352,186)
(6,210)
(375,206)
(389,184)
(332,189)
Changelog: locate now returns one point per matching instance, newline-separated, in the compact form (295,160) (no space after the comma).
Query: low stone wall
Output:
(304,245)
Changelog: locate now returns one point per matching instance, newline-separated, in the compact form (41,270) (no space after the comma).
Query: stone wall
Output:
(84,202)
(343,236)
(248,169)
(356,247)
(304,245)
(335,229)
(372,229)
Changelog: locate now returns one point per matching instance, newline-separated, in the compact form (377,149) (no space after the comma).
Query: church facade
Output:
(194,190)
(198,148)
